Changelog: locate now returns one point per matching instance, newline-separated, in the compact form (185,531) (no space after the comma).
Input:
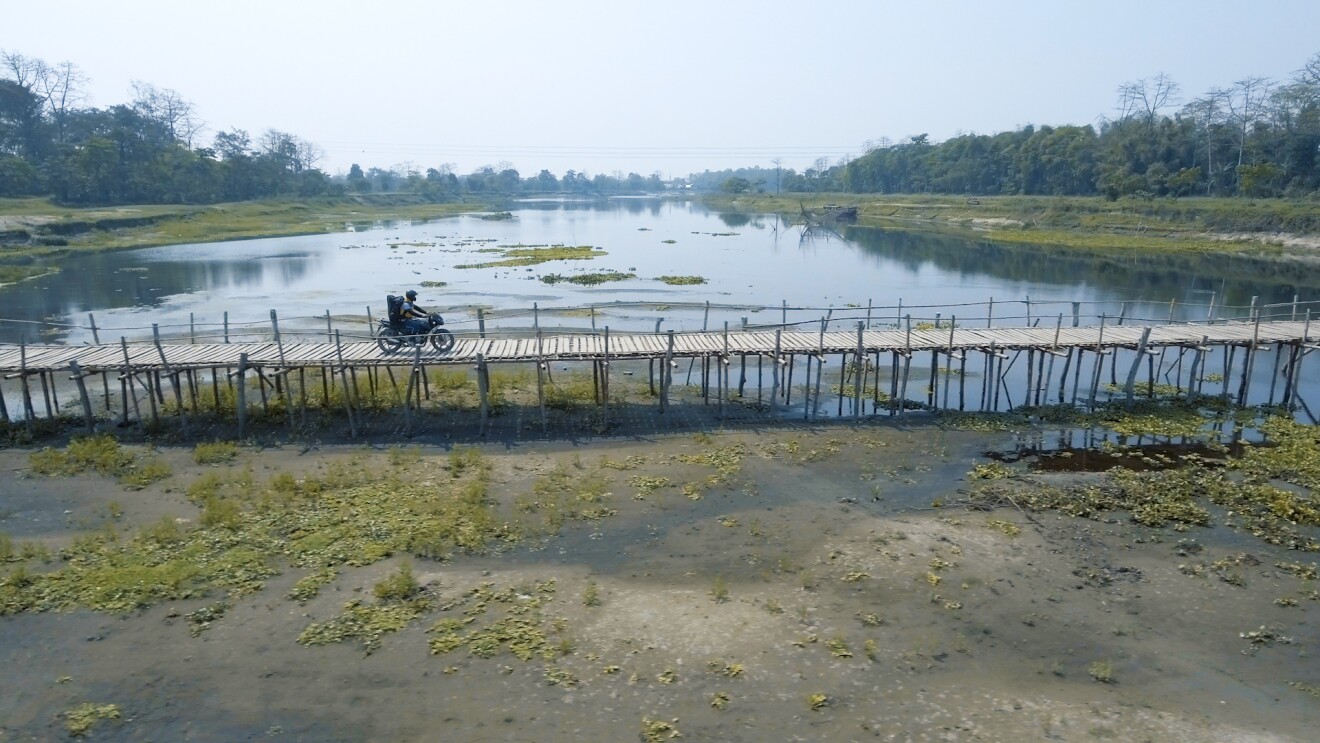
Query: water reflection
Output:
(748,261)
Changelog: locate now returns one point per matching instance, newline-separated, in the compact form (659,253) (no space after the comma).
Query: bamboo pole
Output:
(172,374)
(29,413)
(605,382)
(343,380)
(283,370)
(1136,365)
(857,377)
(408,396)
(77,377)
(667,374)
(45,395)
(540,378)
(483,394)
(240,394)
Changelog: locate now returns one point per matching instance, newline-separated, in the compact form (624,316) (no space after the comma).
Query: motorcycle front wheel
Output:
(441,340)
(388,340)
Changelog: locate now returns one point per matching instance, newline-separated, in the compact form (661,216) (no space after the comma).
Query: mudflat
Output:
(791,583)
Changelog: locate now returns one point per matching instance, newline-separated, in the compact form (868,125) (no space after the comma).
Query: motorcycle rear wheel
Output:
(388,340)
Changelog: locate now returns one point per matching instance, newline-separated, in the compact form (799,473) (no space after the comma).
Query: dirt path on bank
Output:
(813,594)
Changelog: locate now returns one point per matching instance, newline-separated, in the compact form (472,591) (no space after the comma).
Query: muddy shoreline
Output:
(816,593)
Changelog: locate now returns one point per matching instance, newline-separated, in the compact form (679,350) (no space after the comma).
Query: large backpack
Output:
(394,306)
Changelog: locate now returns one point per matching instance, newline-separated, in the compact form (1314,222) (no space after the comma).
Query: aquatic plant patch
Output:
(588,279)
(682,280)
(531,256)
(354,513)
(101,454)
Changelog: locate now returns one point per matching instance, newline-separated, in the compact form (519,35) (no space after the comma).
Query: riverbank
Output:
(835,582)
(35,234)
(1287,230)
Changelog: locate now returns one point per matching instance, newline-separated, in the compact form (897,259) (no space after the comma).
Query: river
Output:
(753,266)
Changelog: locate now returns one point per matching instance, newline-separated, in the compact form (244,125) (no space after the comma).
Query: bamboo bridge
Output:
(941,351)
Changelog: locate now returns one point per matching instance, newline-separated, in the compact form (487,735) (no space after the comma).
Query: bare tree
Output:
(167,108)
(21,69)
(60,88)
(1208,112)
(293,153)
(1246,105)
(1310,73)
(1145,98)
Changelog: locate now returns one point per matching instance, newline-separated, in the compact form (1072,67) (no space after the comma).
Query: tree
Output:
(20,120)
(1146,98)
(357,182)
(167,108)
(736,185)
(233,144)
(1184,181)
(546,182)
(1246,103)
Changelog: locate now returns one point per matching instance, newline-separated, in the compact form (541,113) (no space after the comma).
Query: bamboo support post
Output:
(173,374)
(77,376)
(28,411)
(948,360)
(860,357)
(540,378)
(343,381)
(283,370)
(240,387)
(45,395)
(666,374)
(408,395)
(788,379)
(605,382)
(1136,365)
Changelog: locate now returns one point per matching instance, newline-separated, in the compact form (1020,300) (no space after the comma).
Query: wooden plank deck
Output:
(589,346)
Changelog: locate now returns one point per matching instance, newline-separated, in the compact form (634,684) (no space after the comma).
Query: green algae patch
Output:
(682,280)
(1268,492)
(517,624)
(567,493)
(354,513)
(80,720)
(531,256)
(1293,454)
(215,452)
(364,623)
(100,454)
(588,279)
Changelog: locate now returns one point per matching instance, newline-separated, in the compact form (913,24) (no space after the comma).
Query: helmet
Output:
(411,295)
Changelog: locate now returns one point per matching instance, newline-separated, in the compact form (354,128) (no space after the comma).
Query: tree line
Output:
(148,151)
(1257,138)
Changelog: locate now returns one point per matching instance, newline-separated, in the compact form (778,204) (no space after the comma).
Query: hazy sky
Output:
(672,86)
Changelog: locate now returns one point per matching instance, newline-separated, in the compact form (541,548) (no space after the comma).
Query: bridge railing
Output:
(656,317)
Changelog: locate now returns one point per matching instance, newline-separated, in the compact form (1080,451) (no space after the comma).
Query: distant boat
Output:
(840,213)
(832,213)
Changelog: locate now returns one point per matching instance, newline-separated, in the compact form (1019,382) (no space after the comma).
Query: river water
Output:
(759,270)
(753,265)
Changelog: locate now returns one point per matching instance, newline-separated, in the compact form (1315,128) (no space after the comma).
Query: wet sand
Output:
(815,595)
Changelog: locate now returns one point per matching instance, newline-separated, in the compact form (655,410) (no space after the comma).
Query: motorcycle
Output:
(390,337)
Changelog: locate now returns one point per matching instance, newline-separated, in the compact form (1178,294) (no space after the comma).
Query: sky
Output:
(671,87)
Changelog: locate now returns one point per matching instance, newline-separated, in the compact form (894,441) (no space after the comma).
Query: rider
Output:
(415,320)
